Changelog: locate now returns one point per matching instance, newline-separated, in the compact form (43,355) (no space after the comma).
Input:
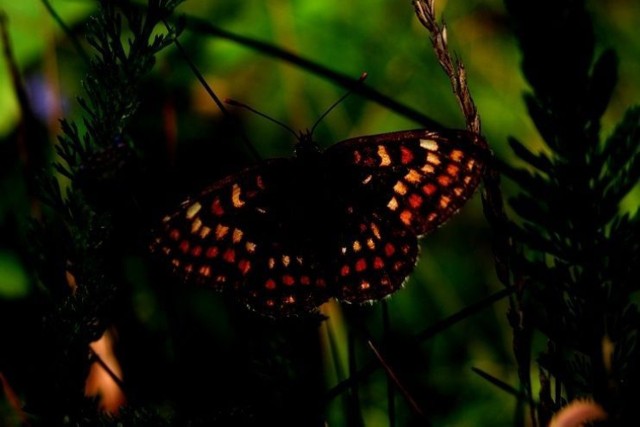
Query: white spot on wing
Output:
(429,144)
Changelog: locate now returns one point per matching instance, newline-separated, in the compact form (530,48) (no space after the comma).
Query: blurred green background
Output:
(384,39)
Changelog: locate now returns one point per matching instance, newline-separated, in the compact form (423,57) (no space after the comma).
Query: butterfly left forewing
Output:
(235,236)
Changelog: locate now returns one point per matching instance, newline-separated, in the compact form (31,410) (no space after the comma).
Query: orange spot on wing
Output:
(405,217)
(453,170)
(444,180)
(393,204)
(427,168)
(375,230)
(371,244)
(470,164)
(205,271)
(400,188)
(221,231)
(235,196)
(385,160)
(433,159)
(205,231)
(237,235)
(456,155)
(413,176)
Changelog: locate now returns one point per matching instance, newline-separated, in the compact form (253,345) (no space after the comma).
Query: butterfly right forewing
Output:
(421,177)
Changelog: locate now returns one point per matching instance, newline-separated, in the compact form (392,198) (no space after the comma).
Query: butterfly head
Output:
(306,147)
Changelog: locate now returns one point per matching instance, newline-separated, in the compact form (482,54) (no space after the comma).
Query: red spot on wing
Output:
(389,250)
(212,252)
(406,155)
(229,255)
(344,271)
(244,266)
(415,200)
(216,207)
(429,189)
(270,284)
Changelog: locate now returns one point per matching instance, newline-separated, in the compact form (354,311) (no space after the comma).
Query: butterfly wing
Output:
(421,177)
(401,185)
(236,236)
(373,257)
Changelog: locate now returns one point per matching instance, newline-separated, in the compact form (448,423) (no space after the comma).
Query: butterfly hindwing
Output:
(373,257)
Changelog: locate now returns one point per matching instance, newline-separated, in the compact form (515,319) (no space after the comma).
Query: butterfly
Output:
(287,234)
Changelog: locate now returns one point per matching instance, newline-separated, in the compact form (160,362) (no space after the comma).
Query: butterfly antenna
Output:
(261,114)
(363,76)
(213,95)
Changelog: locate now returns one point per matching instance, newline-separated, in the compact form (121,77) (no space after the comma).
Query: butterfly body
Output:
(288,234)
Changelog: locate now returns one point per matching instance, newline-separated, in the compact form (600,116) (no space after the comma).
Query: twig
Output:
(462,314)
(502,244)
(393,377)
(96,357)
(76,43)
(453,67)
(501,384)
(424,335)
(347,82)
